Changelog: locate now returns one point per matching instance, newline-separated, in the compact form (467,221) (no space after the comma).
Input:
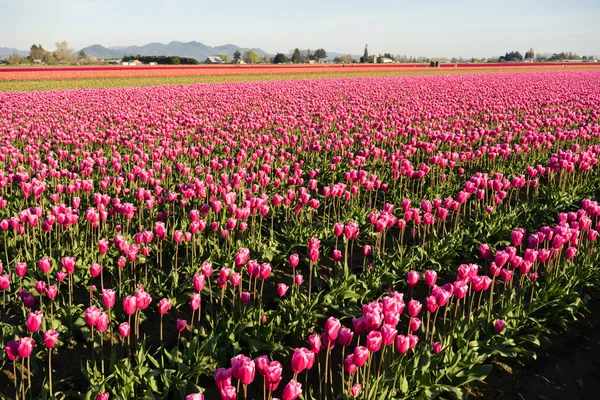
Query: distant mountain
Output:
(6,52)
(196,50)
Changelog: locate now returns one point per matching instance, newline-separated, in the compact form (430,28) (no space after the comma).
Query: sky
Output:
(466,28)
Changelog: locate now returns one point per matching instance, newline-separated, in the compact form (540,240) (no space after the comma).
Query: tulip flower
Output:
(34,321)
(282,289)
(499,326)
(292,391)
(356,389)
(412,278)
(430,278)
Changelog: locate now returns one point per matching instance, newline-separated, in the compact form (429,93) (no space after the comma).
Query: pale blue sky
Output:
(433,28)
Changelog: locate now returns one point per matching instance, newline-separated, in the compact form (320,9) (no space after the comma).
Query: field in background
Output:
(50,78)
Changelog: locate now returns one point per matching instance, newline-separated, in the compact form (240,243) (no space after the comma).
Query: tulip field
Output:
(64,77)
(363,238)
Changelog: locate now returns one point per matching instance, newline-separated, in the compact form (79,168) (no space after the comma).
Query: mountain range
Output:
(6,52)
(196,50)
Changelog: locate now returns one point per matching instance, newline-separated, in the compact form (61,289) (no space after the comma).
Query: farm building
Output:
(132,62)
(385,60)
(213,60)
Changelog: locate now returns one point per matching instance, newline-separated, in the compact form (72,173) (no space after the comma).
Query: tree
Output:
(175,60)
(320,53)
(81,54)
(236,56)
(280,58)
(226,59)
(14,59)
(251,57)
(530,54)
(37,52)
(63,52)
(511,56)
(296,57)
(366,54)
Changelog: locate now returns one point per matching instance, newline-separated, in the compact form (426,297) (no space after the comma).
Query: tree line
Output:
(298,56)
(162,60)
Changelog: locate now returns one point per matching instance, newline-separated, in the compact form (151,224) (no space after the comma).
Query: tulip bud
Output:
(163,306)
(124,329)
(282,289)
(499,326)
(181,325)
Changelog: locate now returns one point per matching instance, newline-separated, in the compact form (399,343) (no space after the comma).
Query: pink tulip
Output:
(103,246)
(51,291)
(102,324)
(44,265)
(103,396)
(402,344)
(129,305)
(315,343)
(181,325)
(68,263)
(25,347)
(412,278)
(50,338)
(34,321)
(356,389)
(5,282)
(361,355)
(206,269)
(40,287)
(163,306)
(109,298)
(142,299)
(499,326)
(332,328)
(294,260)
(194,396)
(299,360)
(292,391)
(414,308)
(349,365)
(345,336)
(430,277)
(124,330)
(388,333)
(21,269)
(374,341)
(91,315)
(228,393)
(198,282)
(282,289)
(223,377)
(195,301)
(95,270)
